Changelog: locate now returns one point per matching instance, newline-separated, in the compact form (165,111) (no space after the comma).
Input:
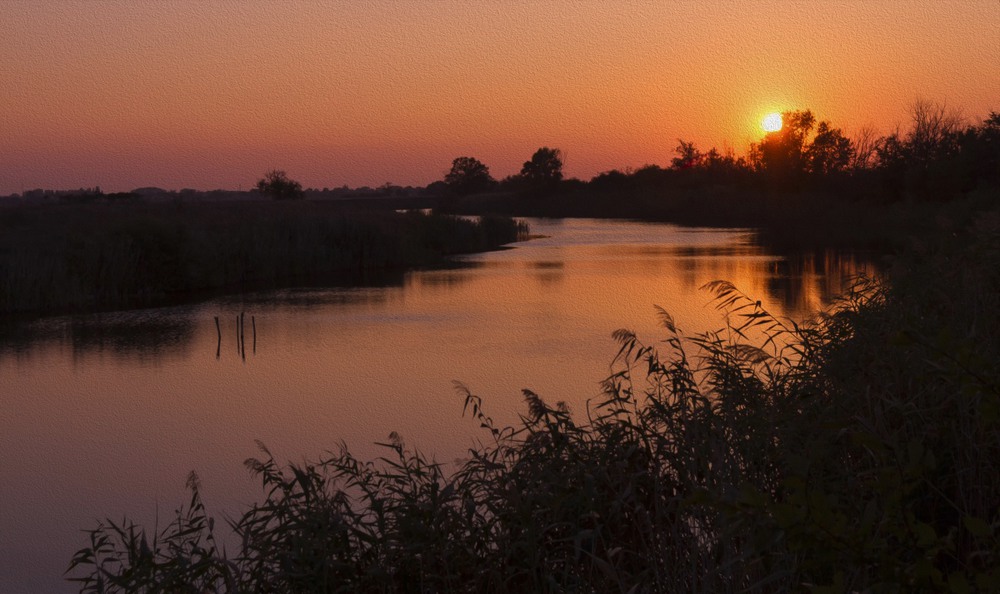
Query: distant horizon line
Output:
(97,190)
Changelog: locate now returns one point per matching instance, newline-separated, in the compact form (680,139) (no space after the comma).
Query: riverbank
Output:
(856,454)
(57,258)
(847,217)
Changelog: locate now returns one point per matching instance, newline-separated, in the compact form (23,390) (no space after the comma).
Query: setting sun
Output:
(771,122)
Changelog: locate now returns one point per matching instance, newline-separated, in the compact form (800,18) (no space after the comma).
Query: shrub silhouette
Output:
(543,172)
(468,175)
(279,186)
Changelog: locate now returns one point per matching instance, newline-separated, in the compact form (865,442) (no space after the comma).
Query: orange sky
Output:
(209,95)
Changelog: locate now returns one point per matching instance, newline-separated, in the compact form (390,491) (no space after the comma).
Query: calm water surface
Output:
(105,416)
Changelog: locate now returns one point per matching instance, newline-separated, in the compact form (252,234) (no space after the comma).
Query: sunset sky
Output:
(208,95)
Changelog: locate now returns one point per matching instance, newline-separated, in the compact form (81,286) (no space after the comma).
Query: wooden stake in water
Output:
(218,344)
(253,324)
(243,334)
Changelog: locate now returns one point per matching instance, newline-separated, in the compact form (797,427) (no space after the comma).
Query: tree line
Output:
(542,172)
(808,185)
(468,175)
(938,157)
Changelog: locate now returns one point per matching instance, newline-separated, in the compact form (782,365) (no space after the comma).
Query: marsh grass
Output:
(103,256)
(857,453)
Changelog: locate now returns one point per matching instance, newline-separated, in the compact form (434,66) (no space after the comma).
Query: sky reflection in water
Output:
(105,415)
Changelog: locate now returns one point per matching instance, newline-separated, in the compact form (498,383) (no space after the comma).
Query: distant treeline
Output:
(84,257)
(805,184)
(154,194)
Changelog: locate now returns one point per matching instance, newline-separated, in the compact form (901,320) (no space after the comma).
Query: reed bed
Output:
(103,256)
(857,453)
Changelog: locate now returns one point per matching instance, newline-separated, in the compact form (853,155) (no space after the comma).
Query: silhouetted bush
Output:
(468,175)
(279,186)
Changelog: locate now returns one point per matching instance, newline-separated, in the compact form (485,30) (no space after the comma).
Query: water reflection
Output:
(107,414)
(810,282)
(548,273)
(145,335)
(443,280)
(799,285)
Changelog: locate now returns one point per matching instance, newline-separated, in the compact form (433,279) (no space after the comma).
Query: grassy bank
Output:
(99,256)
(859,453)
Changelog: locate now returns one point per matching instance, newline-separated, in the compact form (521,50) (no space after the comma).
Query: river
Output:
(105,416)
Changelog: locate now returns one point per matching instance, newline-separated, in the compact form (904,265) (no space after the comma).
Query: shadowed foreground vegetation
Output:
(857,453)
(100,256)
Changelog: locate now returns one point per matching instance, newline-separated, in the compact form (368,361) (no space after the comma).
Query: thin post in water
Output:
(243,347)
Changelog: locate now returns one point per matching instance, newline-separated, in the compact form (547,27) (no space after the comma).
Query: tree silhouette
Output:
(544,168)
(935,159)
(985,151)
(279,186)
(468,176)
(829,152)
(688,155)
(865,144)
(934,132)
(782,154)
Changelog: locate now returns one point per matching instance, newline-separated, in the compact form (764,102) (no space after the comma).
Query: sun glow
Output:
(771,122)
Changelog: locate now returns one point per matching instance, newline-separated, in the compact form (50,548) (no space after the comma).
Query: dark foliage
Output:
(87,257)
(468,176)
(544,167)
(860,453)
(806,186)
(279,186)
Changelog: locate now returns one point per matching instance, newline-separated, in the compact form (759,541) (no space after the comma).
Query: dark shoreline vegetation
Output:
(857,453)
(807,186)
(71,257)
